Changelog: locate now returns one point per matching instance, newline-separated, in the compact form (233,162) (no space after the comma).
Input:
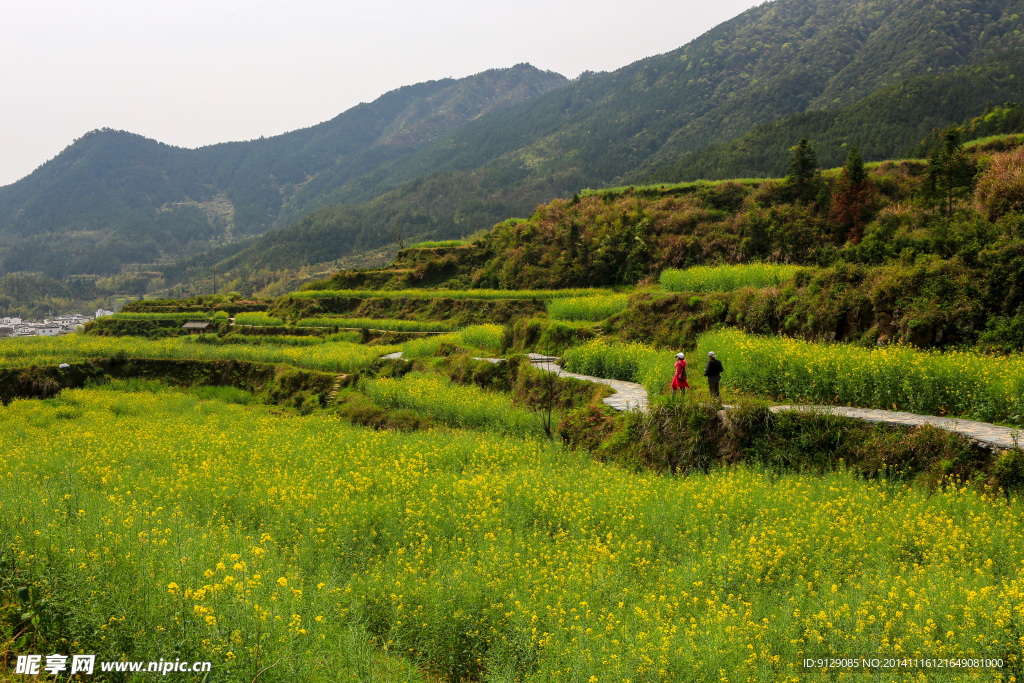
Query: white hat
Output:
(680,355)
(711,353)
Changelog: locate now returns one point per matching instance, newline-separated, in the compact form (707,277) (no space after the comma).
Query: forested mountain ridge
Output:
(432,176)
(887,124)
(772,61)
(113,197)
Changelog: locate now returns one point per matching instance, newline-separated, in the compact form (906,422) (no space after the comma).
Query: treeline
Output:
(997,120)
(34,296)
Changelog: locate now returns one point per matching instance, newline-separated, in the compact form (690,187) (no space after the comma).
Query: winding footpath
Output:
(632,396)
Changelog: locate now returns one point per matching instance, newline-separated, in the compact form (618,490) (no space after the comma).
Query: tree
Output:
(397,235)
(544,403)
(950,173)
(853,199)
(803,178)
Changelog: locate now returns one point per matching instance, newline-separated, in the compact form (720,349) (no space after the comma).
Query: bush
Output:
(1001,187)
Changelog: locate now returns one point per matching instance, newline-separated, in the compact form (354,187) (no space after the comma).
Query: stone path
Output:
(627,396)
(632,396)
(982,433)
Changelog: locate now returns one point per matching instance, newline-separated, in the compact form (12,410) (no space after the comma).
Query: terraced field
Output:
(416,523)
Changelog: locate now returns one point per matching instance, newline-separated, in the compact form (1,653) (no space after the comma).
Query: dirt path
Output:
(633,396)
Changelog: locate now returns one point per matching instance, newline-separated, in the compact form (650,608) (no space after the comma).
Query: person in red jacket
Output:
(679,381)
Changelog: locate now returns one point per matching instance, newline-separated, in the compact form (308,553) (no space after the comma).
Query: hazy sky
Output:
(193,73)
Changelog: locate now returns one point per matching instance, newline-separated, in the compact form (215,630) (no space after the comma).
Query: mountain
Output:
(113,197)
(887,124)
(774,61)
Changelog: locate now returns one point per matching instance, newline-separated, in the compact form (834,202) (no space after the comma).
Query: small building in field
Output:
(197,327)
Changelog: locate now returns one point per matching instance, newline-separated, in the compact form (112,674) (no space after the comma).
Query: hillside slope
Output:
(772,61)
(384,164)
(113,197)
(885,125)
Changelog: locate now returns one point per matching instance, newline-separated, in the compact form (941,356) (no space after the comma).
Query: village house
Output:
(197,327)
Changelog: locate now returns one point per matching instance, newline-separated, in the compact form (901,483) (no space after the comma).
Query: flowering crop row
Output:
(447,293)
(329,356)
(630,362)
(163,523)
(487,337)
(197,315)
(725,278)
(377,324)
(591,308)
(259,319)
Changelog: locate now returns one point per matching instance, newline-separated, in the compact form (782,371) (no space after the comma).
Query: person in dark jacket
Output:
(713,371)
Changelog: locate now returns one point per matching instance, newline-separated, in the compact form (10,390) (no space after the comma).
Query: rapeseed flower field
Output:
(724,278)
(445,293)
(960,383)
(328,356)
(459,406)
(378,324)
(589,308)
(955,383)
(167,526)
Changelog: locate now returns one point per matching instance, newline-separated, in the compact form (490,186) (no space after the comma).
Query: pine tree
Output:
(950,173)
(853,198)
(803,177)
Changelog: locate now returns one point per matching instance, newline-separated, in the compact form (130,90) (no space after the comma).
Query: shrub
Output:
(1001,188)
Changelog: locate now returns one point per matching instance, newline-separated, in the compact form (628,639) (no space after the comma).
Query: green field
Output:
(959,383)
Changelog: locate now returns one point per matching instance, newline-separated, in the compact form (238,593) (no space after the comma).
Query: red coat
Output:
(679,381)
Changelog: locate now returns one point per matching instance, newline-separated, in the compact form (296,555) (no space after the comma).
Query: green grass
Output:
(726,277)
(991,138)
(670,188)
(587,308)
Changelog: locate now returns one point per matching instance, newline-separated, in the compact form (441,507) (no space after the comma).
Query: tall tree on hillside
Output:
(853,199)
(950,172)
(803,178)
